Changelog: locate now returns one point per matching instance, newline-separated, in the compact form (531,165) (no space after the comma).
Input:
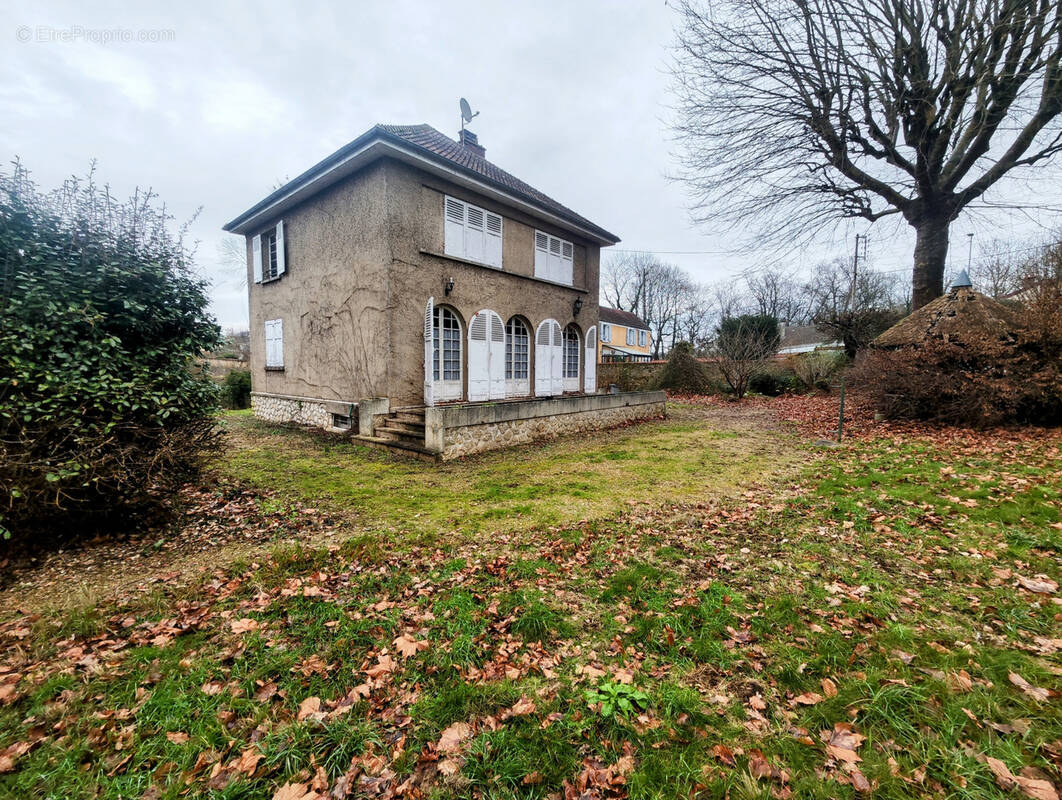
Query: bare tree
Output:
(800,112)
(742,346)
(855,315)
(998,267)
(777,294)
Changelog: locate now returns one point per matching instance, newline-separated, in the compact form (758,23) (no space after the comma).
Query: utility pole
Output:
(855,272)
(969,256)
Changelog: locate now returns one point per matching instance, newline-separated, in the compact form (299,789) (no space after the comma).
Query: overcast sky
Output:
(234,97)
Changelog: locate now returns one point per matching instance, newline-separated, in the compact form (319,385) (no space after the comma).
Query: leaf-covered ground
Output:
(878,619)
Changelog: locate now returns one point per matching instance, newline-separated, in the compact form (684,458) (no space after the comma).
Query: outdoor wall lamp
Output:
(577,306)
(449,286)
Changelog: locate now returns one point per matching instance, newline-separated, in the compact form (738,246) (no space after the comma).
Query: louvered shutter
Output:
(590,362)
(475,235)
(429,352)
(555,268)
(281,268)
(544,359)
(454,228)
(541,255)
(256,257)
(565,274)
(497,357)
(557,366)
(479,357)
(494,240)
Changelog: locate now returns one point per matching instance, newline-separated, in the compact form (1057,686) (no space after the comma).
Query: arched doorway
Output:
(517,358)
(571,348)
(442,354)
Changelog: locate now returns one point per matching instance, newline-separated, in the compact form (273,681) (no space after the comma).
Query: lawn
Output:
(881,618)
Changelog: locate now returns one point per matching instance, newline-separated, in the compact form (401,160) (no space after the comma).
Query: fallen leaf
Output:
(408,646)
(523,707)
(245,625)
(808,699)
(1035,692)
(454,737)
(311,705)
(294,791)
(829,688)
(1041,584)
(177,737)
(724,754)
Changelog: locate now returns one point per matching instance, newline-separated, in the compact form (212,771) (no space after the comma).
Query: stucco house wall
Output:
(419,270)
(334,298)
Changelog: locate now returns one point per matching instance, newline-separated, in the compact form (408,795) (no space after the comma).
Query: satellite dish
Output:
(466,113)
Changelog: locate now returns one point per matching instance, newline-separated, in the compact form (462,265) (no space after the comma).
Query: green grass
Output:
(869,583)
(551,483)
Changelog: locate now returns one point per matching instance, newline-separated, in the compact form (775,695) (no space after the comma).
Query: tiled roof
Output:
(441,145)
(617,317)
(801,335)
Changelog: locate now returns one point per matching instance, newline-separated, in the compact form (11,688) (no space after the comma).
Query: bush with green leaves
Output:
(817,369)
(683,372)
(102,409)
(236,389)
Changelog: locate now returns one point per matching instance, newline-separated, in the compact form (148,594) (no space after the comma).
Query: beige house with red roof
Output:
(406,272)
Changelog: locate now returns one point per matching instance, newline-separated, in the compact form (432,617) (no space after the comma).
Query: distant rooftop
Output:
(616,317)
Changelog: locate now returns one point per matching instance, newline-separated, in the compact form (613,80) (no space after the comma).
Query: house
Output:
(404,277)
(797,339)
(623,336)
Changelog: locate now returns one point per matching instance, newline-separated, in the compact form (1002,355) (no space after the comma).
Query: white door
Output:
(544,359)
(557,365)
(429,352)
(497,357)
(479,357)
(590,362)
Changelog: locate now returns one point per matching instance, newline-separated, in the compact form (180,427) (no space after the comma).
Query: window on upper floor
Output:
(606,332)
(643,338)
(471,232)
(553,258)
(631,336)
(268,254)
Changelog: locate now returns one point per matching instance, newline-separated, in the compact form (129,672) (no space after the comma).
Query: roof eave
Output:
(375,144)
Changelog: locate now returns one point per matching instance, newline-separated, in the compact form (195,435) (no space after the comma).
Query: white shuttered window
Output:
(553,258)
(472,232)
(274,343)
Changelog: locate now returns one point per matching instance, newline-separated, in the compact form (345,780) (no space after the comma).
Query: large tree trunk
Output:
(931,251)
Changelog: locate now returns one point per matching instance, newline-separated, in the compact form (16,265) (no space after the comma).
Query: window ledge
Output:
(274,369)
(264,281)
(481,265)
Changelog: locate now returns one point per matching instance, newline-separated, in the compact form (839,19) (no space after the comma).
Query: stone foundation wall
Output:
(462,431)
(300,410)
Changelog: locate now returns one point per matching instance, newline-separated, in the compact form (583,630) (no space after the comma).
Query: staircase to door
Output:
(402,429)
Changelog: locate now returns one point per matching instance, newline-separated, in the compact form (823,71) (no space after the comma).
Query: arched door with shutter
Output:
(570,355)
(544,358)
(429,352)
(497,357)
(479,357)
(590,362)
(557,365)
(486,356)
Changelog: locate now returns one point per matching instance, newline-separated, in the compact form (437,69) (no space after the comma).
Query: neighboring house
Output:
(407,271)
(623,336)
(804,339)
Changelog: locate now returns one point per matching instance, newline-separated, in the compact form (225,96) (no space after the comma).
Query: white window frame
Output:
(274,344)
(472,233)
(631,337)
(643,338)
(571,345)
(606,332)
(517,358)
(447,385)
(554,258)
